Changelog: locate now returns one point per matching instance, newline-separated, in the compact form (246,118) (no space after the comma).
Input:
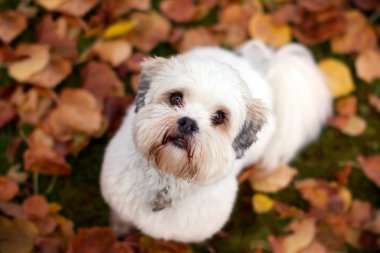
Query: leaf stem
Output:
(35,183)
(52,184)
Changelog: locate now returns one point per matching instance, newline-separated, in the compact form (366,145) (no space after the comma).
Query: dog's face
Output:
(194,117)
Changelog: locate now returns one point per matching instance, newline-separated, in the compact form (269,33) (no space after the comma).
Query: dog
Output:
(198,119)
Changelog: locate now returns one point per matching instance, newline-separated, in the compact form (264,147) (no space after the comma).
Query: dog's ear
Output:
(149,68)
(252,125)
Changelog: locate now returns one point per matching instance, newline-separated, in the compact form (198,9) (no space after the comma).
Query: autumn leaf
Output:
(17,236)
(367,65)
(347,106)
(133,63)
(339,78)
(274,181)
(113,51)
(354,126)
(371,167)
(36,206)
(118,29)
(262,203)
(37,59)
(13,210)
(262,27)
(358,36)
(180,11)
(7,113)
(115,109)
(76,7)
(374,101)
(54,73)
(117,8)
(12,23)
(195,37)
(8,188)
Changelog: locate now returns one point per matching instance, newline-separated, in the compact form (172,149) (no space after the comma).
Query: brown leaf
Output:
(275,181)
(320,5)
(115,109)
(113,51)
(371,167)
(13,210)
(101,81)
(12,148)
(151,29)
(17,236)
(51,244)
(8,188)
(195,37)
(342,176)
(117,8)
(7,113)
(180,11)
(46,225)
(374,101)
(360,214)
(368,5)
(133,63)
(262,27)
(358,36)
(78,111)
(54,73)
(36,207)
(60,35)
(367,65)
(287,13)
(347,106)
(315,247)
(12,23)
(95,240)
(18,176)
(37,58)
(77,7)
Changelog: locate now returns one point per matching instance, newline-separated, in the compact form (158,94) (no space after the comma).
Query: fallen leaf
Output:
(347,106)
(46,225)
(54,73)
(374,101)
(36,207)
(360,214)
(8,188)
(77,7)
(150,30)
(342,175)
(50,4)
(51,244)
(118,29)
(117,8)
(13,210)
(115,109)
(7,113)
(357,37)
(314,247)
(180,11)
(262,203)
(101,81)
(366,65)
(113,51)
(17,175)
(310,191)
(371,167)
(37,59)
(195,37)
(262,27)
(12,148)
(369,5)
(275,181)
(133,63)
(354,126)
(303,233)
(339,78)
(17,236)
(94,240)
(12,23)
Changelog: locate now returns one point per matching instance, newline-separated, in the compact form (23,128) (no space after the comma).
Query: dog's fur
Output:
(274,103)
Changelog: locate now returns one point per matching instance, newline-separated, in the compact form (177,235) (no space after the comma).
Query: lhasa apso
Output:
(198,119)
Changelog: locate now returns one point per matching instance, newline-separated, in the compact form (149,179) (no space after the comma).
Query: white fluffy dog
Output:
(198,119)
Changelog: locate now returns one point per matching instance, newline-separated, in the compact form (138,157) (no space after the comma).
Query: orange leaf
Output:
(54,73)
(347,106)
(180,11)
(8,188)
(371,167)
(367,65)
(12,23)
(113,51)
(36,206)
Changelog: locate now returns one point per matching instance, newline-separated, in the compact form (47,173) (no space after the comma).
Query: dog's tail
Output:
(302,102)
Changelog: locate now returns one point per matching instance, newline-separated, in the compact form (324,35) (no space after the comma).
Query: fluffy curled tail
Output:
(302,102)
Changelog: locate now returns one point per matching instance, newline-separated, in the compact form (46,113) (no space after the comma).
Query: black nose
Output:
(187,126)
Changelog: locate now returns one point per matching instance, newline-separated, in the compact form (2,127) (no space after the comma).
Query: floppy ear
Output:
(149,68)
(252,125)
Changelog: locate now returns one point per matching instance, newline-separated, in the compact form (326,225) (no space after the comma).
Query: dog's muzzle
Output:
(187,126)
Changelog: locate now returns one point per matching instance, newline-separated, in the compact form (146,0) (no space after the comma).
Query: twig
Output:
(35,183)
(52,184)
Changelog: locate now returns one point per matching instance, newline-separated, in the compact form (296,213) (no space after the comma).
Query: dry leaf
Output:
(17,236)
(347,106)
(262,27)
(195,37)
(360,213)
(17,175)
(50,4)
(36,207)
(315,247)
(118,29)
(13,210)
(339,77)
(310,191)
(117,8)
(54,73)
(133,63)
(113,51)
(8,188)
(12,23)
(101,81)
(262,203)
(367,65)
(357,37)
(354,126)
(371,167)
(151,29)
(115,109)
(77,7)
(374,101)
(7,113)
(368,5)
(180,11)
(275,181)
(38,58)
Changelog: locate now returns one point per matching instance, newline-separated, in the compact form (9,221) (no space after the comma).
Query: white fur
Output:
(287,83)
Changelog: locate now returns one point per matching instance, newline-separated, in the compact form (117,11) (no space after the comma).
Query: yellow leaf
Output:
(262,27)
(339,78)
(118,29)
(262,203)
(355,126)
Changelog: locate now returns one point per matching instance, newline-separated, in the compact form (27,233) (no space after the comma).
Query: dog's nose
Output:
(187,126)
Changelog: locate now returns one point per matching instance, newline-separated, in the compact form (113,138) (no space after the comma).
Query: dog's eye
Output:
(218,118)
(176,99)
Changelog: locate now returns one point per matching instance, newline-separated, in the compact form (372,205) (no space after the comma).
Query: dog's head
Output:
(194,117)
